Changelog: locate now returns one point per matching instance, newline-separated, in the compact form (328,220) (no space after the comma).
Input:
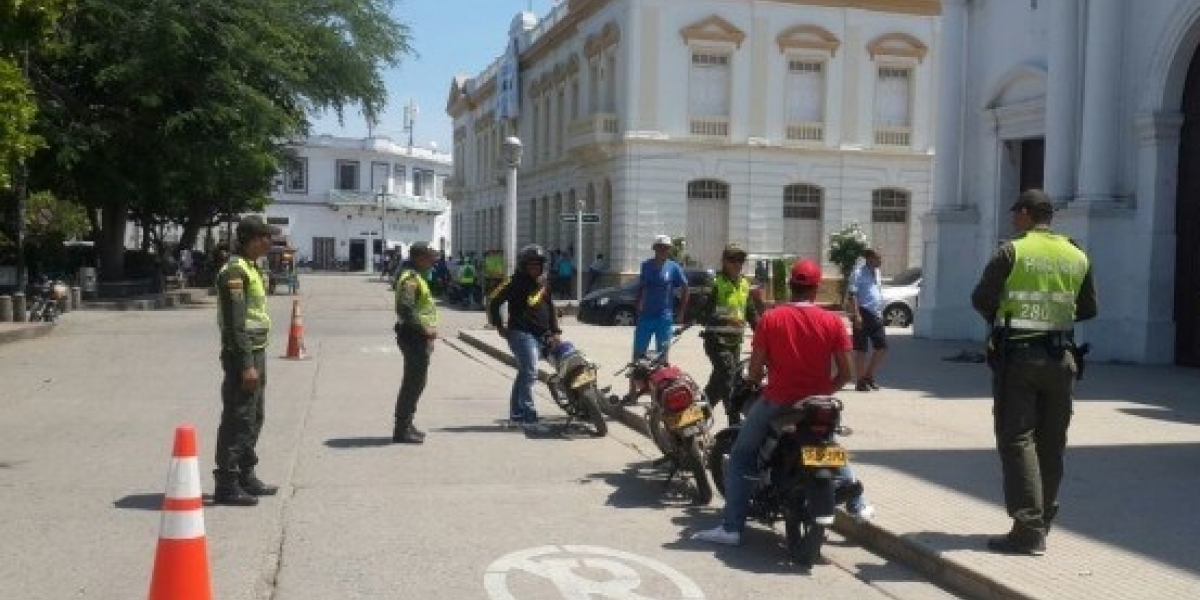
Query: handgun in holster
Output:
(1078,352)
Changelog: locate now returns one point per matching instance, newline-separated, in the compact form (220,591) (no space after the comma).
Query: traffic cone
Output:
(181,561)
(295,348)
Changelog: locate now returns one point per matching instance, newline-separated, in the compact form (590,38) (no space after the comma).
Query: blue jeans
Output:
(743,463)
(658,327)
(524,347)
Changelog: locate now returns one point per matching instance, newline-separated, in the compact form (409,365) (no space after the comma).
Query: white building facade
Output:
(341,201)
(1098,103)
(769,123)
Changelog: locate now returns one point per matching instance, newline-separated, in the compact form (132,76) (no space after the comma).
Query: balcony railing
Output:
(806,132)
(354,198)
(893,136)
(710,126)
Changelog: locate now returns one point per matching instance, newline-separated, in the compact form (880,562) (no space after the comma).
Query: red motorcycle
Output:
(679,417)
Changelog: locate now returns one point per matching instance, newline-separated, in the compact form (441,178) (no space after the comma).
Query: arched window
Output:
(707,221)
(803,205)
(889,227)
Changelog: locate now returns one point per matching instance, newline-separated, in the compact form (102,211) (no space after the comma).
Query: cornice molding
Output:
(713,29)
(808,37)
(608,36)
(898,44)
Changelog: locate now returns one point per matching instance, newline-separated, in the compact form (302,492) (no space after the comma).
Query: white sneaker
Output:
(861,513)
(718,535)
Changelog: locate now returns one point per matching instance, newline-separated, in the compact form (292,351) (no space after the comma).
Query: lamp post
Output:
(382,229)
(512,159)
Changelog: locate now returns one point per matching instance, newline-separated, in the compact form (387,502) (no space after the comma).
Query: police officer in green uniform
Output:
(1032,292)
(416,333)
(725,319)
(245,330)
(466,283)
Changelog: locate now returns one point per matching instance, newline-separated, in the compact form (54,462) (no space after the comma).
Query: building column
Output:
(951,228)
(1098,140)
(1062,100)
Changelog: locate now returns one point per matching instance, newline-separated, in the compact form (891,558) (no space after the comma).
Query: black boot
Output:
(255,486)
(405,433)
(229,492)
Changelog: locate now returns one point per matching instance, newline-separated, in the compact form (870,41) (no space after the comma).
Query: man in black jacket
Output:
(531,317)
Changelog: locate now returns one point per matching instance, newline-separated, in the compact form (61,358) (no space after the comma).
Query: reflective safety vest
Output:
(493,266)
(258,321)
(466,274)
(1040,292)
(730,299)
(423,306)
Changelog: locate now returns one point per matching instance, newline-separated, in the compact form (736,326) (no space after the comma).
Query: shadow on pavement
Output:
(140,502)
(358,442)
(644,485)
(761,551)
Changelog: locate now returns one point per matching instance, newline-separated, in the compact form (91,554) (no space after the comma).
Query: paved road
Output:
(86,422)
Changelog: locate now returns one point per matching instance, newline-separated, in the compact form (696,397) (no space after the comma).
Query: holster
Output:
(1079,352)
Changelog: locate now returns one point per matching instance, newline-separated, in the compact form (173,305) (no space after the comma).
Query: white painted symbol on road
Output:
(589,573)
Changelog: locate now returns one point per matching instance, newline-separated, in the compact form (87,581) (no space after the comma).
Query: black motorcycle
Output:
(573,385)
(798,465)
(44,300)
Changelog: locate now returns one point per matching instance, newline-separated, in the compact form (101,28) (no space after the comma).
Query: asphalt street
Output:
(87,415)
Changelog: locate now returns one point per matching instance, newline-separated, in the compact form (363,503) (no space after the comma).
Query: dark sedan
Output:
(618,305)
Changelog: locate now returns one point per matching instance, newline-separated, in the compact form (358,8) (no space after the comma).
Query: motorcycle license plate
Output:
(583,379)
(823,456)
(688,416)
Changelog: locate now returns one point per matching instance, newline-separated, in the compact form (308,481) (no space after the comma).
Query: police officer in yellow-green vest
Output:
(416,333)
(245,330)
(1031,293)
(725,319)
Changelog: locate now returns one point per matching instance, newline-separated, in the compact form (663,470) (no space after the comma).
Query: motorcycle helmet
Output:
(529,254)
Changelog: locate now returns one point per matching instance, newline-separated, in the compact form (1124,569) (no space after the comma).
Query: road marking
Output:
(379,350)
(560,565)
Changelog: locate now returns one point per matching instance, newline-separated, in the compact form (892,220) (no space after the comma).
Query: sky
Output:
(450,37)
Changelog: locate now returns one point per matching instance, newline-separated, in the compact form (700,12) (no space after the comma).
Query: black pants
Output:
(724,359)
(416,351)
(242,415)
(1032,411)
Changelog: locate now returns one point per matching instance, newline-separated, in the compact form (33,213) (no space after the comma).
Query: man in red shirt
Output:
(797,342)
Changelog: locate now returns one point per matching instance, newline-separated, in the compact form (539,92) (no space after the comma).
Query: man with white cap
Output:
(657,281)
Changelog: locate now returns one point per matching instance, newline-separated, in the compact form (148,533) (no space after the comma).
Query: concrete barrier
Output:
(6,313)
(20,311)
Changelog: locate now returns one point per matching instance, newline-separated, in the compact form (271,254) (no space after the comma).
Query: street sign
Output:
(588,218)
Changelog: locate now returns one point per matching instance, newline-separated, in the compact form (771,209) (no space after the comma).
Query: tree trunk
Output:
(111,239)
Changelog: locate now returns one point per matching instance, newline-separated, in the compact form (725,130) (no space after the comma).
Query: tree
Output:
(846,246)
(178,110)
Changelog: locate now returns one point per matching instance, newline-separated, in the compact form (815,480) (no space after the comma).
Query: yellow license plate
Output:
(583,379)
(823,456)
(688,416)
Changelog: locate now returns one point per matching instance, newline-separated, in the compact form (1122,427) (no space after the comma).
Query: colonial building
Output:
(770,123)
(1097,102)
(340,200)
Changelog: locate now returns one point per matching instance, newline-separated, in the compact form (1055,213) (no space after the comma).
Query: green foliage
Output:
(780,271)
(48,218)
(846,246)
(679,251)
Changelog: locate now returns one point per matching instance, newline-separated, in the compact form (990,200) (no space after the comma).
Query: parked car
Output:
(618,305)
(900,298)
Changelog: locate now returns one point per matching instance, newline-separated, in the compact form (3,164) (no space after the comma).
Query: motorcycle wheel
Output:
(590,399)
(658,433)
(804,537)
(694,463)
(718,457)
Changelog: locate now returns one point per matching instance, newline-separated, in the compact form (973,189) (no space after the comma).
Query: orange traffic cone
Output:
(181,561)
(295,348)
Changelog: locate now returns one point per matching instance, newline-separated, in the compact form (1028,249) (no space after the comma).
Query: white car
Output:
(900,298)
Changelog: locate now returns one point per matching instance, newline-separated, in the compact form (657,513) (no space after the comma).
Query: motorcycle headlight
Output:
(602,301)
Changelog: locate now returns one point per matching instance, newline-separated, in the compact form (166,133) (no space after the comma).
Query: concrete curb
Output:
(945,572)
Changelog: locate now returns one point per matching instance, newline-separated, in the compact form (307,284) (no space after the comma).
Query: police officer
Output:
(245,330)
(1032,292)
(467,283)
(725,319)
(416,333)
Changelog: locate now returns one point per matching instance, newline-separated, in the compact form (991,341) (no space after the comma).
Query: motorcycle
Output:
(798,469)
(573,385)
(44,306)
(679,416)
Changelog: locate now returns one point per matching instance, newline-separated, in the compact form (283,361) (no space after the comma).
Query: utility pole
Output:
(22,190)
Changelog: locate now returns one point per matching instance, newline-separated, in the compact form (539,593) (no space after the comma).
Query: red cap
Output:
(805,272)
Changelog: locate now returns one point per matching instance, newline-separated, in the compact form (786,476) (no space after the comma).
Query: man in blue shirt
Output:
(659,278)
(864,305)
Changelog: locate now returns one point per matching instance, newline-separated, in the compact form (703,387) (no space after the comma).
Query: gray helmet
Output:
(531,253)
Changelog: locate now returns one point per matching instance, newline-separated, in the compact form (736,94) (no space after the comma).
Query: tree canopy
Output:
(178,111)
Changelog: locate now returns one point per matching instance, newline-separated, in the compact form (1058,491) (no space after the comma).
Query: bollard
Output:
(20,312)
(5,309)
(76,298)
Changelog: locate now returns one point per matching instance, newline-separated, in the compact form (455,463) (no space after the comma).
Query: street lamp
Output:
(382,229)
(512,159)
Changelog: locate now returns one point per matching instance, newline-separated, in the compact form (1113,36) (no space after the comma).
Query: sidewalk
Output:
(15,332)
(924,447)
